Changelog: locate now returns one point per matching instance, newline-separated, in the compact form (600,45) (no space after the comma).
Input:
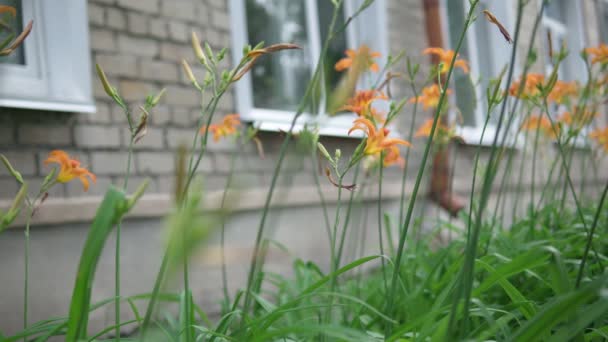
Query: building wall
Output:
(140,45)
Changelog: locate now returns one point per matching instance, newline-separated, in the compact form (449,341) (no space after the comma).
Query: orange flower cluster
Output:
(540,123)
(445,57)
(227,127)
(562,92)
(600,135)
(69,169)
(577,119)
(599,54)
(430,97)
(379,142)
(443,133)
(361,104)
(362,55)
(531,86)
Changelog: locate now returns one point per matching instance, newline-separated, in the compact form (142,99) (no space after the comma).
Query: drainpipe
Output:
(440,188)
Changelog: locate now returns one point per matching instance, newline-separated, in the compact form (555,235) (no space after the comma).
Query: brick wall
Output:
(140,45)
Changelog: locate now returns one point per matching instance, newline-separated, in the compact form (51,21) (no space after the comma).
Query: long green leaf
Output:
(558,311)
(111,209)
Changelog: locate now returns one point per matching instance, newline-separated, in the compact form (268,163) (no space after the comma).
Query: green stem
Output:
(534,150)
(380,235)
(117,248)
(27,266)
(282,152)
(464,287)
(407,153)
(404,229)
(315,174)
(347,220)
(547,184)
(581,268)
(223,232)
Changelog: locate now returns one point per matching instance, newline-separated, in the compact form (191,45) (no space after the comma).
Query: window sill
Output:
(328,126)
(473,136)
(49,106)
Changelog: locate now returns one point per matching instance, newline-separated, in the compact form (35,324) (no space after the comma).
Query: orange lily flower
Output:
(600,135)
(577,121)
(392,157)
(446,56)
(530,89)
(361,104)
(69,169)
(540,122)
(563,91)
(599,54)
(443,133)
(352,55)
(227,127)
(378,141)
(430,97)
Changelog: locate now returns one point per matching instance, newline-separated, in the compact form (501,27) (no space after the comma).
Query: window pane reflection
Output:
(10,26)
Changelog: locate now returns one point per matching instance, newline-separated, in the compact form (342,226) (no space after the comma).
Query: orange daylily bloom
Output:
(69,169)
(430,96)
(576,119)
(392,157)
(8,9)
(352,55)
(530,89)
(599,54)
(563,91)
(600,135)
(227,127)
(378,141)
(443,133)
(445,57)
(361,104)
(542,123)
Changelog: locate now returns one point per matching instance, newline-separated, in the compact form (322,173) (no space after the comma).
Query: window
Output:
(51,70)
(562,22)
(270,93)
(487,52)
(602,11)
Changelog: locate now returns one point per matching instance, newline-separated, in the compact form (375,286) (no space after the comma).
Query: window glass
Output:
(11,27)
(279,81)
(462,84)
(603,20)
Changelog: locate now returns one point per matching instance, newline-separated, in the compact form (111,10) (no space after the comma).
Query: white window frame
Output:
(369,28)
(572,30)
(501,52)
(56,75)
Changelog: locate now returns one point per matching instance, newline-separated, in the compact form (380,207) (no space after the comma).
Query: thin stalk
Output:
(315,173)
(404,229)
(281,157)
(117,247)
(570,183)
(547,184)
(223,232)
(570,155)
(466,275)
(380,235)
(407,153)
(30,213)
(534,150)
(347,219)
(581,268)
